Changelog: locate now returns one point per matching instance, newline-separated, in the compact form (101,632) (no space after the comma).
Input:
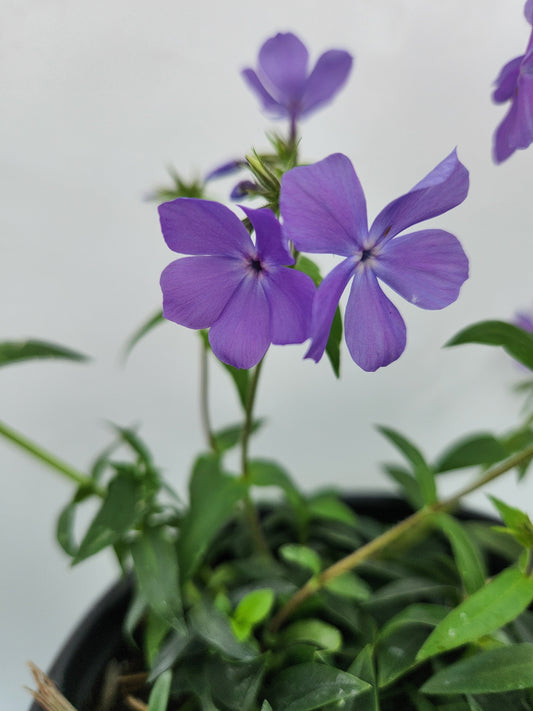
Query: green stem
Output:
(204,399)
(248,420)
(391,535)
(250,510)
(50,459)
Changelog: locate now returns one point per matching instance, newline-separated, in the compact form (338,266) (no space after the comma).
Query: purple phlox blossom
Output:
(283,83)
(243,188)
(515,84)
(241,291)
(324,211)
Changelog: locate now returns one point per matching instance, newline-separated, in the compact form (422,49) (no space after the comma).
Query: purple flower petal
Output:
(227,168)
(196,289)
(323,207)
(283,67)
(268,102)
(506,81)
(516,129)
(427,268)
(270,241)
(242,334)
(290,294)
(374,330)
(193,226)
(528,11)
(327,78)
(443,188)
(325,304)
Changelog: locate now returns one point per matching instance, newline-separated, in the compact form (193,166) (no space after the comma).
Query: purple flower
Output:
(324,211)
(524,320)
(240,290)
(515,84)
(283,83)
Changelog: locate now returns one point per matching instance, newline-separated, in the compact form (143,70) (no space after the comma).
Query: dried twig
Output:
(48,695)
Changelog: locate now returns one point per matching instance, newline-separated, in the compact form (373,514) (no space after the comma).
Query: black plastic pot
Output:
(79,668)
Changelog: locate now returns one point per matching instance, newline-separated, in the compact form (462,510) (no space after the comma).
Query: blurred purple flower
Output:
(228,168)
(524,320)
(515,84)
(242,189)
(282,81)
(324,211)
(240,290)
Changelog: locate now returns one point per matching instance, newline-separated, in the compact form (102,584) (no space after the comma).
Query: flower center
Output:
(366,254)
(256,265)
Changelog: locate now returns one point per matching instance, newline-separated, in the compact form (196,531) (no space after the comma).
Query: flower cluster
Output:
(515,84)
(250,295)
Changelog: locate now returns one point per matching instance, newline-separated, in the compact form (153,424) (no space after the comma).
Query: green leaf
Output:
(329,506)
(333,346)
(492,671)
(350,586)
(16,351)
(307,266)
(472,451)
(467,556)
(251,610)
(488,609)
(156,570)
(421,469)
(309,686)
(160,693)
(301,555)
(214,627)
(119,513)
(515,341)
(142,331)
(265,472)
(363,667)
(314,632)
(407,482)
(266,706)
(231,436)
(401,638)
(213,498)
(517,522)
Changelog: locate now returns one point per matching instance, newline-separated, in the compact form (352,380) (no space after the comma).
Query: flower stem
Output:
(391,535)
(50,459)
(250,510)
(204,398)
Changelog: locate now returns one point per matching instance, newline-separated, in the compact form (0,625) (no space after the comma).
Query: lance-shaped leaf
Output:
(119,513)
(16,351)
(515,341)
(488,672)
(213,497)
(309,686)
(491,607)
(159,695)
(421,469)
(467,556)
(471,451)
(156,571)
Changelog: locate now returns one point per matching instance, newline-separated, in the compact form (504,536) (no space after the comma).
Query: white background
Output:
(97,99)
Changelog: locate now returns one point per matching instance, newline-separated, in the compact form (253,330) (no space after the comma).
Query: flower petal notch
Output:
(283,84)
(324,210)
(242,291)
(515,84)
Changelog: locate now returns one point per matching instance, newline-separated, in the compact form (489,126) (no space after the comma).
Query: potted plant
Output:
(295,602)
